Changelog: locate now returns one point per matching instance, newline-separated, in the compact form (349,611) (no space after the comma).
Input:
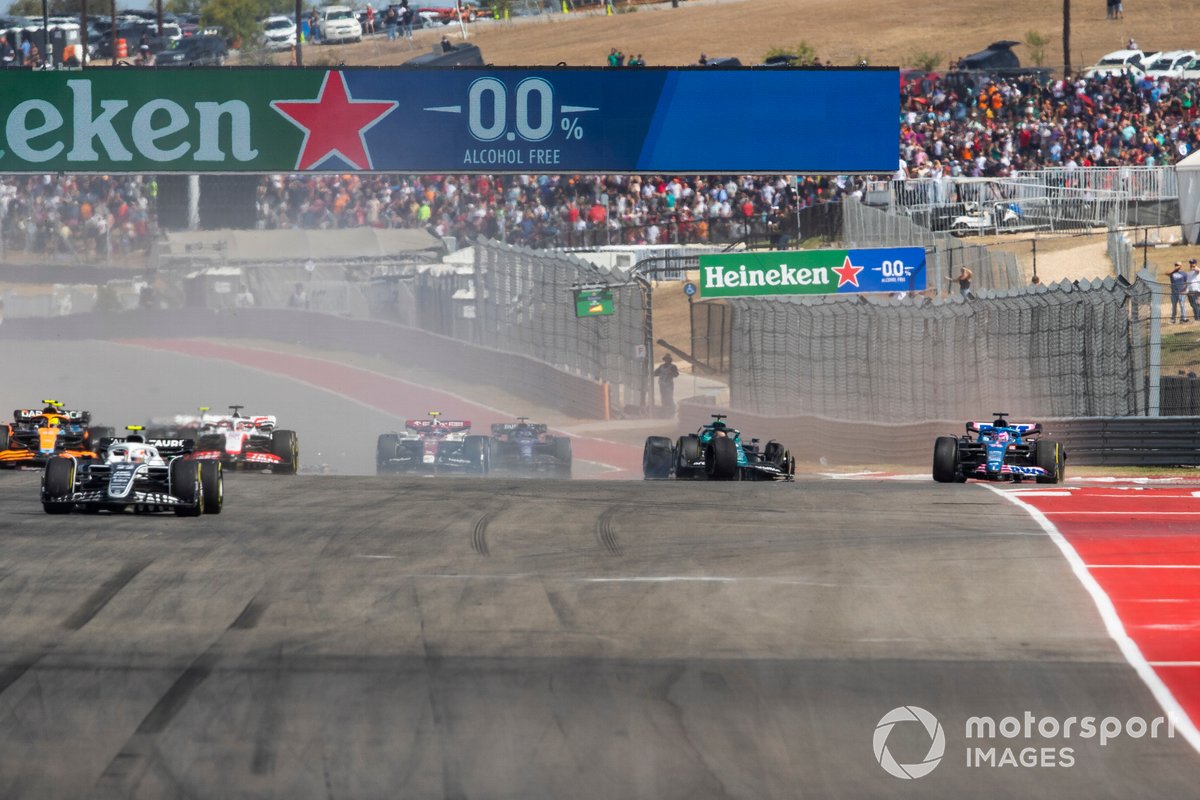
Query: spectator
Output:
(447,46)
(144,57)
(407,18)
(370,27)
(1193,289)
(390,22)
(964,281)
(299,298)
(1179,283)
(245,298)
(666,372)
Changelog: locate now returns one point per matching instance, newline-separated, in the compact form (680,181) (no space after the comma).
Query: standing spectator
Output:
(299,298)
(1179,283)
(370,20)
(667,372)
(390,21)
(964,281)
(407,18)
(1193,289)
(245,298)
(144,57)
(314,30)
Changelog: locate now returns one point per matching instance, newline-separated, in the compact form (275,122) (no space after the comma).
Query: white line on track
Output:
(1175,663)
(1112,623)
(525,576)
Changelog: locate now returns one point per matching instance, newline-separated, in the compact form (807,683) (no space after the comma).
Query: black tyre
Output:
(212,484)
(385,448)
(657,455)
(285,445)
(475,449)
(4,437)
(1051,457)
(94,436)
(775,454)
(186,487)
(58,481)
(720,459)
(945,459)
(562,454)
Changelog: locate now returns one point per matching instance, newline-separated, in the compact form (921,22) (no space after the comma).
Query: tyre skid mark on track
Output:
(479,541)
(103,595)
(139,752)
(605,534)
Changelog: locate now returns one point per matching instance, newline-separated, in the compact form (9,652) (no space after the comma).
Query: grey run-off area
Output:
(375,638)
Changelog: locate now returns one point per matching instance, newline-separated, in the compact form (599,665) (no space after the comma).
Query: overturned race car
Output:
(999,451)
(34,437)
(133,473)
(716,452)
(432,445)
(529,447)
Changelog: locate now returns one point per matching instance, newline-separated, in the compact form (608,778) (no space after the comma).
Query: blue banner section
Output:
(885,269)
(630,120)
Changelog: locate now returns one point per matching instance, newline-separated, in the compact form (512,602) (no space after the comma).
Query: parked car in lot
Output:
(1170,64)
(1118,62)
(194,51)
(279,33)
(446,12)
(338,24)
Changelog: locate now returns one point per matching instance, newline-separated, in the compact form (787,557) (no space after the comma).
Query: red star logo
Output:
(334,123)
(847,273)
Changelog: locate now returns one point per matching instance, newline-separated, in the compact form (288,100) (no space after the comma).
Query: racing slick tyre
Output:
(1050,457)
(562,455)
(945,459)
(284,445)
(212,484)
(475,449)
(657,455)
(776,455)
(186,487)
(93,437)
(385,448)
(687,452)
(721,459)
(58,481)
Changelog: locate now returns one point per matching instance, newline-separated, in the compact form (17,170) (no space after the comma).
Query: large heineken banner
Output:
(449,120)
(881,269)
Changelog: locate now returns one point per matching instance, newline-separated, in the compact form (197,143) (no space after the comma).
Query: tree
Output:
(1037,46)
(26,8)
(236,18)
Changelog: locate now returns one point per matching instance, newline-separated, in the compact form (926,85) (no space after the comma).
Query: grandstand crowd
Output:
(1007,124)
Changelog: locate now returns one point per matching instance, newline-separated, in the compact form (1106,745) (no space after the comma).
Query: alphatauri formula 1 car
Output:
(528,447)
(432,445)
(999,451)
(716,452)
(155,475)
(34,437)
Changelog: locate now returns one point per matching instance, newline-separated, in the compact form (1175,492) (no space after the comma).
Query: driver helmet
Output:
(137,455)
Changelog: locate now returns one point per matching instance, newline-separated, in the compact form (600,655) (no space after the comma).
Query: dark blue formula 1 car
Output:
(716,452)
(529,447)
(999,451)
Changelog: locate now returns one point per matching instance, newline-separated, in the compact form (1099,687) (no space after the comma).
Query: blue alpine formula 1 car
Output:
(999,451)
(716,452)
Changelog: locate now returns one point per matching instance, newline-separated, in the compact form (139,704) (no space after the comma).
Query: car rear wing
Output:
(1023,428)
(29,414)
(173,447)
(429,425)
(503,428)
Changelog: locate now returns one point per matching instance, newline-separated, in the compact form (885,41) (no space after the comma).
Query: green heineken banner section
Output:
(461,120)
(593,302)
(881,269)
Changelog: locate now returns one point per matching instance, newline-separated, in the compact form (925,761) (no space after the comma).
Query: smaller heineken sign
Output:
(595,301)
(884,269)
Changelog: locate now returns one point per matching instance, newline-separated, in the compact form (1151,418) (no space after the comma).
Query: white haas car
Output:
(432,445)
(246,442)
(154,475)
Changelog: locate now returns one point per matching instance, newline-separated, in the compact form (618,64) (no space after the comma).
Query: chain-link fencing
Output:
(864,226)
(1063,350)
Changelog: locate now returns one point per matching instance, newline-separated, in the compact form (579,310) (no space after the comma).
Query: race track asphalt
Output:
(362,637)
